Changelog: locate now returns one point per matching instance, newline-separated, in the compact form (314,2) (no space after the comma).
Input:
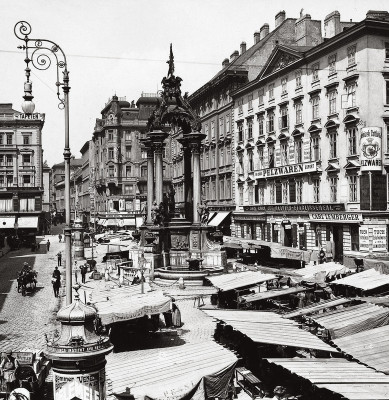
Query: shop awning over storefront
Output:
(192,371)
(28,222)
(101,221)
(270,294)
(350,320)
(369,347)
(7,222)
(239,280)
(270,328)
(219,218)
(318,307)
(350,379)
(124,304)
(366,280)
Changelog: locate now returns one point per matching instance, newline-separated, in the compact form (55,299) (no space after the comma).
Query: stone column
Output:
(158,172)
(150,183)
(195,147)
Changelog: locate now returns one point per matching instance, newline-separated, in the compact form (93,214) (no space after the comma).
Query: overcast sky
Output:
(121,46)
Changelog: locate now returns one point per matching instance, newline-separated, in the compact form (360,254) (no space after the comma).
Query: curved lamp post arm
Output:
(40,53)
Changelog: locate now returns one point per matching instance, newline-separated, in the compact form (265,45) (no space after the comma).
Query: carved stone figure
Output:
(203,212)
(155,215)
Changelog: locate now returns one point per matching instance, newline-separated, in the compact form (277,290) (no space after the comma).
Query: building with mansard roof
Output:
(214,104)
(311,143)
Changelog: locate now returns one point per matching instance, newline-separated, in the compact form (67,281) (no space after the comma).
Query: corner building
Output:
(311,143)
(118,162)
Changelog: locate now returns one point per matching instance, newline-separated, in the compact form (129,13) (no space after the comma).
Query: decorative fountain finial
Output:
(170,62)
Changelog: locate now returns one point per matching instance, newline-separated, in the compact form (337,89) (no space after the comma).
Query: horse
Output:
(26,278)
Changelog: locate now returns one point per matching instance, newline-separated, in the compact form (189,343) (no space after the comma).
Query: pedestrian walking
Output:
(75,270)
(60,237)
(56,281)
(59,258)
(84,269)
(176,315)
(8,368)
(48,244)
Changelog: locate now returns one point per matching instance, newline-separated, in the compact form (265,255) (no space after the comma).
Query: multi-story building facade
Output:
(119,161)
(21,172)
(58,188)
(214,104)
(312,143)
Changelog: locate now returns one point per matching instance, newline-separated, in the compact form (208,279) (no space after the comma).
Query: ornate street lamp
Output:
(40,53)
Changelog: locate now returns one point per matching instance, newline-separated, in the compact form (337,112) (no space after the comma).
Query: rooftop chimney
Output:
(225,62)
(264,31)
(280,18)
(234,55)
(308,31)
(383,15)
(332,25)
(242,47)
(256,37)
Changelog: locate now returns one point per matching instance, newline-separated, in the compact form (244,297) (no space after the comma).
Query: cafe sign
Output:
(335,217)
(371,149)
(287,170)
(29,117)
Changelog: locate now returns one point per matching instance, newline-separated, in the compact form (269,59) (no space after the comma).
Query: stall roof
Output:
(353,319)
(270,328)
(238,280)
(170,373)
(369,347)
(272,293)
(330,269)
(317,307)
(351,380)
(366,280)
(123,305)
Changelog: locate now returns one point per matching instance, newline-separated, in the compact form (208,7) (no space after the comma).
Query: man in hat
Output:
(56,279)
(8,366)
(59,258)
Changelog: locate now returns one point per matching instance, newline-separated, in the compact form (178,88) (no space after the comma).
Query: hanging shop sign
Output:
(335,217)
(30,117)
(371,149)
(287,170)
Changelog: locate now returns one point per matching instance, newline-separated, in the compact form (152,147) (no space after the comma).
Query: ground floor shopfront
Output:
(312,227)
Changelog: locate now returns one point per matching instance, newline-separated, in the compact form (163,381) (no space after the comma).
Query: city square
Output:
(213,238)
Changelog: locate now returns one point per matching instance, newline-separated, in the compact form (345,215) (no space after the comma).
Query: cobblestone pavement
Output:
(25,320)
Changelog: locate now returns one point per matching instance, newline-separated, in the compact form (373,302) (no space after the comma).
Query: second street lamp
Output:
(40,53)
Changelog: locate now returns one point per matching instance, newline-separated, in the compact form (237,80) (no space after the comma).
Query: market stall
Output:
(370,281)
(326,378)
(369,347)
(198,370)
(350,320)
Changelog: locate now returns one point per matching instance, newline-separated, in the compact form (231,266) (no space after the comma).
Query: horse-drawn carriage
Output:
(27,279)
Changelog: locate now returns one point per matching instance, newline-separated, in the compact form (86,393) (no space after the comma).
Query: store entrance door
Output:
(338,242)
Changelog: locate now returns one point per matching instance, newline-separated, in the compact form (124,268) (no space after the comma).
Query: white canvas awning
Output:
(139,221)
(28,222)
(7,222)
(195,371)
(128,222)
(124,304)
(239,280)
